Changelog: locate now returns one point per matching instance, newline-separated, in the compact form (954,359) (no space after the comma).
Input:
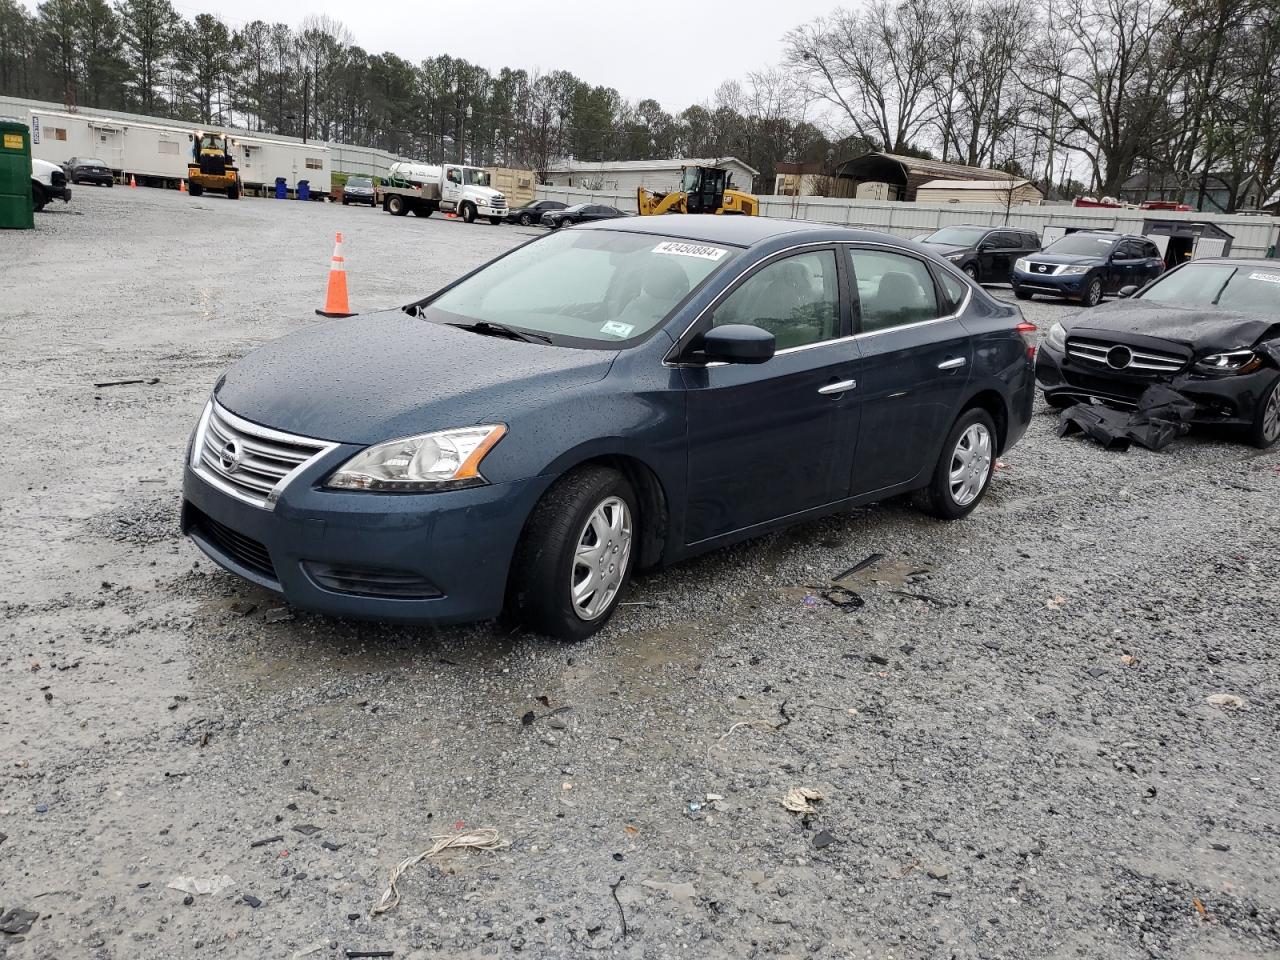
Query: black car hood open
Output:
(385,375)
(1200,328)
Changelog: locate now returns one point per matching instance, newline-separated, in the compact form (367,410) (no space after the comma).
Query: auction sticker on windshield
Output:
(681,249)
(616,329)
(1265,277)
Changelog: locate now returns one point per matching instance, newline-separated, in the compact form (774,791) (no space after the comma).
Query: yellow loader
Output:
(212,167)
(702,190)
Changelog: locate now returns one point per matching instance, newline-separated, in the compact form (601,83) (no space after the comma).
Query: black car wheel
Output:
(526,220)
(1266,420)
(964,469)
(346,202)
(555,224)
(1092,295)
(1023,294)
(971,272)
(575,555)
(495,220)
(38,197)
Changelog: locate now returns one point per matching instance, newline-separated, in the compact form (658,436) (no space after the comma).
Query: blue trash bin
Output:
(282,188)
(304,189)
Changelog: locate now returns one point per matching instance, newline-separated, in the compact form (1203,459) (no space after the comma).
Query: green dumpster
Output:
(15,176)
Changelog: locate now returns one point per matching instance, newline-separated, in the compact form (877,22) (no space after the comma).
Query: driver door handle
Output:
(842,386)
(955,363)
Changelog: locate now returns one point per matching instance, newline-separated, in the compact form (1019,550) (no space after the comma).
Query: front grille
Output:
(1051,268)
(1127,357)
(242,549)
(370,582)
(248,461)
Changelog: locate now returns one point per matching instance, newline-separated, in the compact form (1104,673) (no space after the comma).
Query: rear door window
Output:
(893,290)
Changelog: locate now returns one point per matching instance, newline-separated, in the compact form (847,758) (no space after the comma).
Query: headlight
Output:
(1075,271)
(1057,337)
(1233,361)
(444,460)
(1022,265)
(955,256)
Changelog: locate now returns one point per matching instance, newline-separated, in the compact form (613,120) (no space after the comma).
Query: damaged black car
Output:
(1208,330)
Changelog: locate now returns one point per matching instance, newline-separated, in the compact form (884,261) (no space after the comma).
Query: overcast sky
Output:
(674,51)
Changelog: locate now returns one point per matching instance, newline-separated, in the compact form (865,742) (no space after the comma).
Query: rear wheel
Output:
(575,556)
(1266,421)
(421,210)
(396,206)
(1092,293)
(964,469)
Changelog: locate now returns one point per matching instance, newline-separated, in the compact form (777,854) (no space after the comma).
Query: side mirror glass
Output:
(1127,291)
(738,343)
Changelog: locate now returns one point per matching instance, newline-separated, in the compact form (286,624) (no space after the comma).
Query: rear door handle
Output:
(955,363)
(842,386)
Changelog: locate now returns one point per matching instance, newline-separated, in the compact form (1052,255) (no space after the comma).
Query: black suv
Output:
(1087,265)
(986,254)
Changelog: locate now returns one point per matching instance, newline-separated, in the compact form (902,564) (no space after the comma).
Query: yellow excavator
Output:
(702,190)
(212,167)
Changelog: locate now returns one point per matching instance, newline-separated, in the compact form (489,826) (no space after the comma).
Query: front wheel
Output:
(1266,421)
(195,189)
(495,220)
(1092,293)
(575,556)
(38,197)
(233,192)
(526,220)
(964,470)
(971,272)
(1022,294)
(469,212)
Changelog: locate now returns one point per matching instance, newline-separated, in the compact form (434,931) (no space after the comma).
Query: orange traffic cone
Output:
(133,182)
(335,301)
(182,186)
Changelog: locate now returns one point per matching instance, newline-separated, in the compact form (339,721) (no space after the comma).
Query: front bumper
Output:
(487,211)
(1227,400)
(98,178)
(458,544)
(1052,285)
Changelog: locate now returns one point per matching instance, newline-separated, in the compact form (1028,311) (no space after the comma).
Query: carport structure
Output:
(905,175)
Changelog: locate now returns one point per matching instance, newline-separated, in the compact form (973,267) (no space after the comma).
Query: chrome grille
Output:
(248,461)
(1123,356)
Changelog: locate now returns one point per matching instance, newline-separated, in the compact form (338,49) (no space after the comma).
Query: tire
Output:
(110,184)
(971,272)
(233,192)
(1023,295)
(1092,295)
(421,210)
(1265,430)
(346,202)
(577,510)
(38,197)
(495,220)
(526,220)
(195,189)
(396,206)
(555,224)
(950,499)
(469,212)
(1061,401)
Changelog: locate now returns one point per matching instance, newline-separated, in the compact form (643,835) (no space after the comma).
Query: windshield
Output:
(956,236)
(91,163)
(1081,245)
(1248,289)
(476,178)
(359,182)
(589,288)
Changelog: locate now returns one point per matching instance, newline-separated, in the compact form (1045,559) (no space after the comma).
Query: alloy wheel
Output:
(600,558)
(1271,416)
(970,464)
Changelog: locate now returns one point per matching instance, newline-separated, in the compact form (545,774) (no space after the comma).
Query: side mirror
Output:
(738,343)
(1127,291)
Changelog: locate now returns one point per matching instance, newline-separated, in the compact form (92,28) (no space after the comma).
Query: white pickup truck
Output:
(424,188)
(48,182)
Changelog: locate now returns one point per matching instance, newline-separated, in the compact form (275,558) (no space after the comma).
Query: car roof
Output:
(735,230)
(1238,261)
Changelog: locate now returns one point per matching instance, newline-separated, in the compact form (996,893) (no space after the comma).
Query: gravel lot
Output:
(1011,738)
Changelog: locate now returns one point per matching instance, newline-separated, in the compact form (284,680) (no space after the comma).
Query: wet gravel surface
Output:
(1012,737)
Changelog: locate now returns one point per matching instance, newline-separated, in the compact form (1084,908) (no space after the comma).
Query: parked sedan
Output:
(88,170)
(985,254)
(1210,329)
(531,213)
(601,400)
(580,213)
(1086,266)
(359,190)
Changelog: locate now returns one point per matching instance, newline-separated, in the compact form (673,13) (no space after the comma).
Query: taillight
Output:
(1027,332)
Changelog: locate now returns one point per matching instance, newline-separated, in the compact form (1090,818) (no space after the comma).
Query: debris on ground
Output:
(352,954)
(306,829)
(842,597)
(201,886)
(860,565)
(17,920)
(1162,415)
(485,838)
(148,382)
(1227,701)
(278,615)
(801,799)
(613,889)
(265,840)
(1056,603)
(823,839)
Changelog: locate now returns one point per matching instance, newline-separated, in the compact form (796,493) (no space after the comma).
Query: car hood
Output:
(945,248)
(385,375)
(1199,328)
(1071,259)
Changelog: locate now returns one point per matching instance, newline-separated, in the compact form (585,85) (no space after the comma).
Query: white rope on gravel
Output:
(485,838)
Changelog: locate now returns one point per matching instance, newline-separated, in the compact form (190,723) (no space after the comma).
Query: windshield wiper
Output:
(500,330)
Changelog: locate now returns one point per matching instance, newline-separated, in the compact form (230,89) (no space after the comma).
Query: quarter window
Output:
(795,299)
(893,290)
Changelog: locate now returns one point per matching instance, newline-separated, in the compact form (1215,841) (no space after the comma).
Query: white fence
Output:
(1253,236)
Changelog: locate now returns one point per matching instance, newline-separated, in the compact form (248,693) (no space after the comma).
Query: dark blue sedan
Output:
(613,397)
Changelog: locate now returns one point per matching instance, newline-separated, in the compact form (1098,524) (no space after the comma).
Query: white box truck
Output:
(424,188)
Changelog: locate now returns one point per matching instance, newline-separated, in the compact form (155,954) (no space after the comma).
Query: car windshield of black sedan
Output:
(1249,289)
(585,288)
(1081,245)
(956,236)
(361,182)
